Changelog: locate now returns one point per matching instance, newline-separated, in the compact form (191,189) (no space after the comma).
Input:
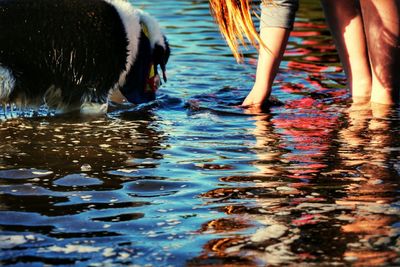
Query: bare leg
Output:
(275,40)
(346,23)
(382,29)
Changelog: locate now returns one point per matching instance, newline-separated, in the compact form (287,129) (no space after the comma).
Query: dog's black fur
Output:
(70,54)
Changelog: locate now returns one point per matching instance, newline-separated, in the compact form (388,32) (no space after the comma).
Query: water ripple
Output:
(193,179)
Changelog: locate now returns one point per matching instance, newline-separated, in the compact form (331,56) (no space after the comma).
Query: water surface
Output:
(194,180)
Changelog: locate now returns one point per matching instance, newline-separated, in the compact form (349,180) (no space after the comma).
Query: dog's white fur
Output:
(131,18)
(7,83)
(156,36)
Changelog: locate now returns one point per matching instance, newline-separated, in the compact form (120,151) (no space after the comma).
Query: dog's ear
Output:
(161,55)
(135,86)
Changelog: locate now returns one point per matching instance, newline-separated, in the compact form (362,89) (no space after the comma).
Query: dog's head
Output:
(143,80)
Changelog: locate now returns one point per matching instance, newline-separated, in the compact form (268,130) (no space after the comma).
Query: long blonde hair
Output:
(234,18)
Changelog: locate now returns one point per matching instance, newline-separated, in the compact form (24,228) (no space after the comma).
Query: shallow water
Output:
(195,180)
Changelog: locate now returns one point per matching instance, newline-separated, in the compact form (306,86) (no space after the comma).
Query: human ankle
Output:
(361,100)
(384,97)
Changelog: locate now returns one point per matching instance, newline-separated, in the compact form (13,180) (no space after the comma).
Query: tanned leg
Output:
(382,29)
(270,56)
(346,24)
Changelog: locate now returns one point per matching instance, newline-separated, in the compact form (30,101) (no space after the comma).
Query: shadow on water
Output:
(192,179)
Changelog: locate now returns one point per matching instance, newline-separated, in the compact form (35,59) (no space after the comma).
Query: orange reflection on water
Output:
(370,131)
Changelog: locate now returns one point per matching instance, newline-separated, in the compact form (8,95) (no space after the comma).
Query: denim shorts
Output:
(279,13)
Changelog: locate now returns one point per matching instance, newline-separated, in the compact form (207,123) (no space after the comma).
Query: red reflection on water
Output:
(292,88)
(306,136)
(310,67)
(310,25)
(306,219)
(305,34)
(304,103)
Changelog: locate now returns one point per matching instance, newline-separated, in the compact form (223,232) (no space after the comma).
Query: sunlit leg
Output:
(382,28)
(345,21)
(275,40)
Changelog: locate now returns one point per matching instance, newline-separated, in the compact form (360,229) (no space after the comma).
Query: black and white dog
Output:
(72,54)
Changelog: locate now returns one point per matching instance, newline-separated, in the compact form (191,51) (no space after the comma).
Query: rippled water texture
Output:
(193,180)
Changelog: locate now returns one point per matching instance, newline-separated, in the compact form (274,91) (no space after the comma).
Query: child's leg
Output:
(382,28)
(346,24)
(277,20)
(275,40)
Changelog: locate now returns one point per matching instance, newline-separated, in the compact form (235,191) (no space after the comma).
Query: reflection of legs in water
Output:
(382,29)
(375,185)
(344,18)
(368,44)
